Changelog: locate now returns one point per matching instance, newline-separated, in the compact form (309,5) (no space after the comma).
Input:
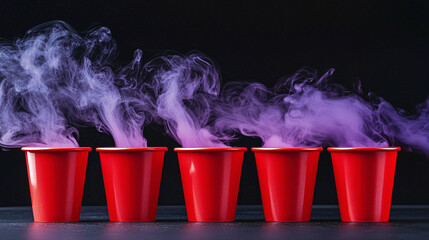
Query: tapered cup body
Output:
(132,177)
(211,179)
(286,178)
(56,177)
(364,180)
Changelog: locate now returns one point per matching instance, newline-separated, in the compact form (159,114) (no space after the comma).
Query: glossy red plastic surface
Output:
(56,177)
(132,177)
(287,177)
(364,179)
(210,178)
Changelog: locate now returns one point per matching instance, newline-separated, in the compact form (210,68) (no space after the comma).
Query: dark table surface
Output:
(406,222)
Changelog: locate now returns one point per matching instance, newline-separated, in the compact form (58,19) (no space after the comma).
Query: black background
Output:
(385,44)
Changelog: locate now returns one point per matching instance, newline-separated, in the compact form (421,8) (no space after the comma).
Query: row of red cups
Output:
(210,178)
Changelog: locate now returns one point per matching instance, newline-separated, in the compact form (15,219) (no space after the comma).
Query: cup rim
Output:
(286,149)
(56,149)
(361,149)
(210,149)
(130,149)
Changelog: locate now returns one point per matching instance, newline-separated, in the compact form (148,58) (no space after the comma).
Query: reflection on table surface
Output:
(406,222)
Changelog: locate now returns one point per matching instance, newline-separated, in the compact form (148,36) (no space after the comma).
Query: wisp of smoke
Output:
(52,78)
(115,102)
(186,88)
(409,130)
(32,71)
(303,110)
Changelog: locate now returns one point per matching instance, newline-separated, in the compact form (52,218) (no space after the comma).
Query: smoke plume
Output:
(53,78)
(302,110)
(186,89)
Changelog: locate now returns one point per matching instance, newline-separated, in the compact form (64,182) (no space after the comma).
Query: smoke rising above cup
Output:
(411,131)
(32,70)
(186,89)
(53,78)
(302,110)
(115,102)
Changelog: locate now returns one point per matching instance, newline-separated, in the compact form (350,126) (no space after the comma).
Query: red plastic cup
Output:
(364,179)
(132,177)
(287,177)
(211,178)
(56,177)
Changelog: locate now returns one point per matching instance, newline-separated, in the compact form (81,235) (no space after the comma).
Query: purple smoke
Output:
(409,130)
(115,102)
(31,72)
(186,88)
(53,77)
(53,80)
(303,110)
